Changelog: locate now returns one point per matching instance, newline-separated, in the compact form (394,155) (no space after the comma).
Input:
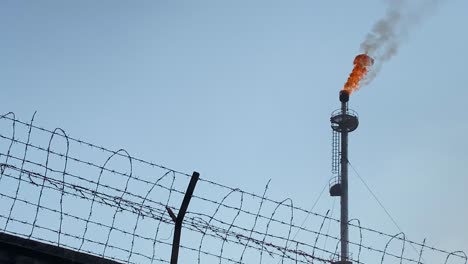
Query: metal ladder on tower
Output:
(335,182)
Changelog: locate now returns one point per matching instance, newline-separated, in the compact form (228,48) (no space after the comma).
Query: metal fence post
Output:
(180,217)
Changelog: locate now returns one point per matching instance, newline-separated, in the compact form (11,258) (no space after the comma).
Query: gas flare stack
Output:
(343,121)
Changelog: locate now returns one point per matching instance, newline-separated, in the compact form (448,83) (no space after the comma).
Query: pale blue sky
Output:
(241,91)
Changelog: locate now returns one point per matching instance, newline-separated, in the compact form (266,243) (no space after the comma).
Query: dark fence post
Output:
(180,217)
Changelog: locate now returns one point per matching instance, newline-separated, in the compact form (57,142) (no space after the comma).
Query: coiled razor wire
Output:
(108,203)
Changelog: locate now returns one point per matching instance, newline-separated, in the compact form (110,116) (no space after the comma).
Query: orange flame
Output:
(362,63)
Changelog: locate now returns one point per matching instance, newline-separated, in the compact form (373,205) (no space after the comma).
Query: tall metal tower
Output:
(343,121)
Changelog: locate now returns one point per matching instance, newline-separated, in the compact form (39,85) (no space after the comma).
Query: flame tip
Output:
(362,63)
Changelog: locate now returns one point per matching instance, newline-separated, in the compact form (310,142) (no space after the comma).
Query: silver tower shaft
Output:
(344,190)
(343,121)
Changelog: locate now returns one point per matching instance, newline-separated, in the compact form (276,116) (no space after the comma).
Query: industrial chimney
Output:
(342,121)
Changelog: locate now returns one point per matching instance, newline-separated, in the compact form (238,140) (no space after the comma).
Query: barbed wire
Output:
(112,152)
(79,141)
(117,210)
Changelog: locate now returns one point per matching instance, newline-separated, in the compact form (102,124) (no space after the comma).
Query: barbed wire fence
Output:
(71,193)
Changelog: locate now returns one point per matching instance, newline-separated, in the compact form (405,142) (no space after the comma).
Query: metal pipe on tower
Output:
(343,122)
(344,183)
